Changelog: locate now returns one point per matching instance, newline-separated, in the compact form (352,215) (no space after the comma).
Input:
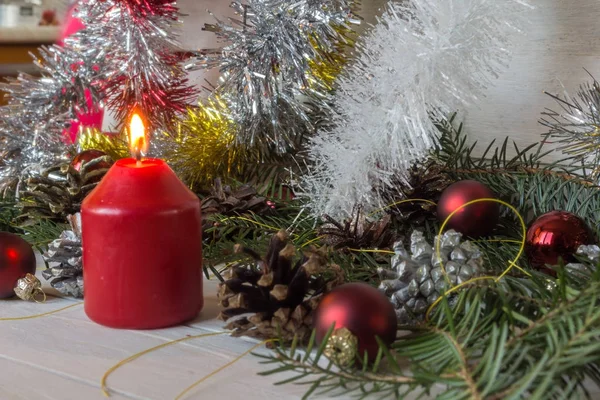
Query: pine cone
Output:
(64,258)
(59,190)
(226,201)
(416,281)
(8,182)
(427,181)
(357,232)
(281,296)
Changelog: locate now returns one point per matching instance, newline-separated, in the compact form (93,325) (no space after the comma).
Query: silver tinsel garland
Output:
(136,42)
(265,65)
(39,109)
(423,60)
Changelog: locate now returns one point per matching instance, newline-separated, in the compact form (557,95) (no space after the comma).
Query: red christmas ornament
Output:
(553,235)
(16,260)
(474,220)
(360,309)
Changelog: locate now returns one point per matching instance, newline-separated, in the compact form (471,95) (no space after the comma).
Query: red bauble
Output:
(87,156)
(553,235)
(16,260)
(478,219)
(361,309)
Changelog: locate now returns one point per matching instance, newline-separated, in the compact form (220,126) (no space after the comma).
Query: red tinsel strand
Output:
(160,8)
(141,60)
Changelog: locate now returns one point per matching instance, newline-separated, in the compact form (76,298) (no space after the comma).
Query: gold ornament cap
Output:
(29,288)
(342,347)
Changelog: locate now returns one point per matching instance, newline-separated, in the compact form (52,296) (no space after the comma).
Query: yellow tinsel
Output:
(115,145)
(325,69)
(204,147)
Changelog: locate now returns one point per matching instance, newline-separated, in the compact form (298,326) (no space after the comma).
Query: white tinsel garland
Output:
(422,61)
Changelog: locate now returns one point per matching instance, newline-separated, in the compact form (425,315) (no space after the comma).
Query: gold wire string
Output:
(371,251)
(513,263)
(497,240)
(224,367)
(129,359)
(312,241)
(40,315)
(272,228)
(402,202)
(275,229)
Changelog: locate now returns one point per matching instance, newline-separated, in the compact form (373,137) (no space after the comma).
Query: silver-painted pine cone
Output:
(416,279)
(64,258)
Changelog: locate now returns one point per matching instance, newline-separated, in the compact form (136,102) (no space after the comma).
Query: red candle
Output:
(142,248)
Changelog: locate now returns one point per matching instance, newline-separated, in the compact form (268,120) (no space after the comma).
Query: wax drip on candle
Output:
(137,137)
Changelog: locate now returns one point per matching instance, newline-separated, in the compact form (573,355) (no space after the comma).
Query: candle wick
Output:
(138,151)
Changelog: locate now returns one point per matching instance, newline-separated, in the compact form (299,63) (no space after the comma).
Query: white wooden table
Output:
(64,356)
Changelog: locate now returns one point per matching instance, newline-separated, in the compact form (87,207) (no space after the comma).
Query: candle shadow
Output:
(210,311)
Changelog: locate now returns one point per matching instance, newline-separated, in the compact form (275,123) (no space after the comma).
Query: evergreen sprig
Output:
(8,213)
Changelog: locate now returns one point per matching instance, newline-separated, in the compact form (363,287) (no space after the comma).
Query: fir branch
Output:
(8,213)
(496,349)
(42,232)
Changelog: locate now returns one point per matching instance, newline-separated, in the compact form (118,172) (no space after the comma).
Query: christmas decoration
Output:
(575,126)
(417,279)
(29,288)
(92,116)
(521,312)
(265,66)
(32,123)
(204,147)
(357,232)
(478,219)
(59,190)
(64,260)
(78,80)
(16,260)
(281,295)
(513,333)
(420,63)
(554,235)
(144,73)
(357,312)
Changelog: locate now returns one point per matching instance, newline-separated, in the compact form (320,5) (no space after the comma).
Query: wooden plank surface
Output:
(64,355)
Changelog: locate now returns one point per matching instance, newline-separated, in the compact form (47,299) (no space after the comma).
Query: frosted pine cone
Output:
(417,280)
(64,258)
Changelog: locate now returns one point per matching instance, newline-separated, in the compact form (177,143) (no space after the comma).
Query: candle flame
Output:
(137,136)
